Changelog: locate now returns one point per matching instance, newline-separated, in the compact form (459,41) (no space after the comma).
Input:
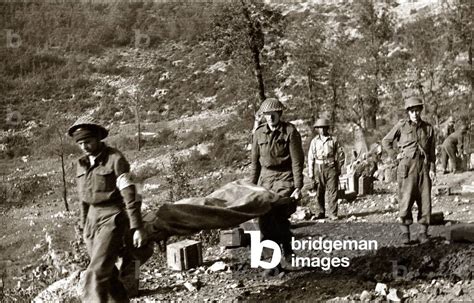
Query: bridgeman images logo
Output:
(318,245)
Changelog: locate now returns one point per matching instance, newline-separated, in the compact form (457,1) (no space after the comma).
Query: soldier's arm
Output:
(297,158)
(128,192)
(255,165)
(311,159)
(80,171)
(389,139)
(84,211)
(432,150)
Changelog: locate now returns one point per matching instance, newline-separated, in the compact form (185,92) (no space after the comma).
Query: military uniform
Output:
(325,158)
(110,212)
(417,156)
(449,149)
(277,164)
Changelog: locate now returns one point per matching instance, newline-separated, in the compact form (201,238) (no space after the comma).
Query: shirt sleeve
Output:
(297,158)
(389,139)
(128,192)
(255,165)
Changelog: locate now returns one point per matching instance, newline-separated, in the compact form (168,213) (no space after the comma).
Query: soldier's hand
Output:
(296,194)
(433,175)
(139,237)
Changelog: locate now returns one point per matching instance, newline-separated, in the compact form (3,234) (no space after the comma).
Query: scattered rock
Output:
(457,290)
(394,295)
(365,296)
(381,289)
(411,292)
(218,266)
(189,286)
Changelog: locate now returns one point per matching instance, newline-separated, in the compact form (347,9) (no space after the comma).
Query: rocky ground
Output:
(435,271)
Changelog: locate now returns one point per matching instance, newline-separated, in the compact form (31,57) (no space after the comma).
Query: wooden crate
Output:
(233,238)
(349,182)
(437,218)
(184,255)
(366,186)
(353,182)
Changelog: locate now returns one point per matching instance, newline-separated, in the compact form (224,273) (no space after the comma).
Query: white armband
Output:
(124,181)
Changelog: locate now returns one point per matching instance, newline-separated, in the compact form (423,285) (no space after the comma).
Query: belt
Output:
(326,161)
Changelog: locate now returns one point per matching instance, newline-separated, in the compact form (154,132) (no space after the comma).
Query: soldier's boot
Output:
(405,233)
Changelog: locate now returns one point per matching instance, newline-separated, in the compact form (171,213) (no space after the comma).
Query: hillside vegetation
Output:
(193,75)
(352,62)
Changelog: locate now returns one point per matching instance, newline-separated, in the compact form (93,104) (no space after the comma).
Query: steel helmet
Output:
(412,102)
(88,123)
(322,122)
(271,105)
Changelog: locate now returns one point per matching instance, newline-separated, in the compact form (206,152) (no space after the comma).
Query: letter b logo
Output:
(256,249)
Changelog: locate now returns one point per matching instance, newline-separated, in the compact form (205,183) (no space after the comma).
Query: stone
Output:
(365,296)
(381,289)
(218,266)
(394,295)
(189,286)
(457,290)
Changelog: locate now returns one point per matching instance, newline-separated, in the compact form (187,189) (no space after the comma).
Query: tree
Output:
(240,31)
(376,26)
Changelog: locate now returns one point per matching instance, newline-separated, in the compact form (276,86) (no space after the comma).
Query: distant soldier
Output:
(416,169)
(110,215)
(277,164)
(325,159)
(452,149)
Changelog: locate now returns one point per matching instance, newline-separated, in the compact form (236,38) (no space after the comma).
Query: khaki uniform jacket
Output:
(412,139)
(279,150)
(97,184)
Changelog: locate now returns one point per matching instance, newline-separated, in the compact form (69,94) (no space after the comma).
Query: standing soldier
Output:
(325,159)
(452,149)
(416,169)
(277,164)
(110,214)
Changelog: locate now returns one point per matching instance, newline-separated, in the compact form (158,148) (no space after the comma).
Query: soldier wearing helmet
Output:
(416,167)
(277,164)
(452,149)
(110,215)
(325,159)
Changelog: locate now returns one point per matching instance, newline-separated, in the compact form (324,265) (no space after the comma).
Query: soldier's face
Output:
(323,130)
(414,113)
(272,118)
(89,146)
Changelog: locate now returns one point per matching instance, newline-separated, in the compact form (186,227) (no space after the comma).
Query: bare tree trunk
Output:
(258,73)
(137,121)
(255,42)
(64,182)
(63,171)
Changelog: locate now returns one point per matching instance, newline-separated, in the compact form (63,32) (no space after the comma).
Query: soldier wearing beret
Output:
(110,215)
(416,167)
(277,164)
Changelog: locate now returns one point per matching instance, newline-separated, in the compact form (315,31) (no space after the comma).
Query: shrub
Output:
(16,145)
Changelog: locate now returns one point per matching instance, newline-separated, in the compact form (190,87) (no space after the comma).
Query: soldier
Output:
(452,149)
(277,164)
(110,214)
(325,159)
(416,169)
